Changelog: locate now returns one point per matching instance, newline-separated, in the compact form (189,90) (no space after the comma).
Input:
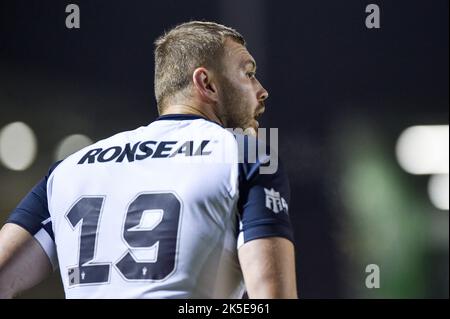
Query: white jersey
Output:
(157,212)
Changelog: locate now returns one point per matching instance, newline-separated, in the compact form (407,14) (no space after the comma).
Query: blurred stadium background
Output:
(362,117)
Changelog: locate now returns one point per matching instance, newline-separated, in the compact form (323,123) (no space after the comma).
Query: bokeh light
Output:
(70,145)
(18,146)
(424,149)
(438,188)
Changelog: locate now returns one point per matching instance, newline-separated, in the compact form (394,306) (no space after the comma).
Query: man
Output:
(158,212)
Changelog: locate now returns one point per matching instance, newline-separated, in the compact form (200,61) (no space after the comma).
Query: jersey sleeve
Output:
(263,201)
(33,215)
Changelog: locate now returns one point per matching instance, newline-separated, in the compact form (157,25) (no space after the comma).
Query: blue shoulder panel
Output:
(32,212)
(263,201)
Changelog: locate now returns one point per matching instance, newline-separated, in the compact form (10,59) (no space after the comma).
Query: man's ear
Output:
(204,84)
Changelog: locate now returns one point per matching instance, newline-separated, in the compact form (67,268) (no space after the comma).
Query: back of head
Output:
(183,49)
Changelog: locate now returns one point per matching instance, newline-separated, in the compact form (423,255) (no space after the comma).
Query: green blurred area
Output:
(389,221)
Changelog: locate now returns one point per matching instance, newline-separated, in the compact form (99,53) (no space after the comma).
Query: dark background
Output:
(340,95)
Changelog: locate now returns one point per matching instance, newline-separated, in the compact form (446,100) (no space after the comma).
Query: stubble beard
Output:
(234,108)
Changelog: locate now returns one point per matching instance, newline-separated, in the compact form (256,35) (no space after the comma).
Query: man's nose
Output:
(263,95)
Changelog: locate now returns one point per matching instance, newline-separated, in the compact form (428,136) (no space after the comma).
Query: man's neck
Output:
(190,109)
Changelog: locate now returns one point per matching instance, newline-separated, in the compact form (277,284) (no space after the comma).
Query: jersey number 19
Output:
(161,236)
